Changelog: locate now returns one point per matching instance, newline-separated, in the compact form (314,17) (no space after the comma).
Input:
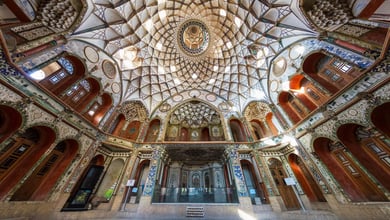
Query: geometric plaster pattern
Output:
(244,37)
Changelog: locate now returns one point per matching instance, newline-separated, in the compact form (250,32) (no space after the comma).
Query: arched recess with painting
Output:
(82,191)
(355,183)
(253,184)
(153,131)
(286,192)
(20,154)
(369,149)
(10,121)
(39,184)
(305,179)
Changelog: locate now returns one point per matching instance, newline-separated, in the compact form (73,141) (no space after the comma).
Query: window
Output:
(93,109)
(312,94)
(342,66)
(58,77)
(55,71)
(374,148)
(333,76)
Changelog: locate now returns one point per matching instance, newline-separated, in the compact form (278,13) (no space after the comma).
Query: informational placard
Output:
(289,181)
(130,182)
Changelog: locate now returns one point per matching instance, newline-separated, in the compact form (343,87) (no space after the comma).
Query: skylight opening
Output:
(160,70)
(148,25)
(238,21)
(227,69)
(176,81)
(215,68)
(162,14)
(159,46)
(222,12)
(212,81)
(229,45)
(194,76)
(173,68)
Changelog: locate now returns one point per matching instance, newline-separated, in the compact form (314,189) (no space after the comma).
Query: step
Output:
(194,211)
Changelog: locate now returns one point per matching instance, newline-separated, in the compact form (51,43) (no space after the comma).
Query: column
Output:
(238,178)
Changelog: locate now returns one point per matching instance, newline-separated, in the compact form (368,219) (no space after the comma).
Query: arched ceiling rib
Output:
(244,38)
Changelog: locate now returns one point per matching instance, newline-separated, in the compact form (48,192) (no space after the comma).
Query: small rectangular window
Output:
(374,148)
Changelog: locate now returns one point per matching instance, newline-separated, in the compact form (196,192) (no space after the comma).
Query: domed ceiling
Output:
(164,47)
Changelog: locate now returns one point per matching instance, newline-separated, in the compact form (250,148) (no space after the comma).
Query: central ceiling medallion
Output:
(193,37)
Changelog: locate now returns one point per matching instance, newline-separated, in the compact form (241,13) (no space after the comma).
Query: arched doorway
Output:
(140,179)
(351,178)
(305,179)
(83,190)
(21,153)
(252,183)
(368,149)
(39,184)
(286,192)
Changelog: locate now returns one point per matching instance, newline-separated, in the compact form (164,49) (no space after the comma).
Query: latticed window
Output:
(342,66)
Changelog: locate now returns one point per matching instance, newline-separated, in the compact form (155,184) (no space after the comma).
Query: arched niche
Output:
(118,125)
(153,131)
(294,112)
(237,129)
